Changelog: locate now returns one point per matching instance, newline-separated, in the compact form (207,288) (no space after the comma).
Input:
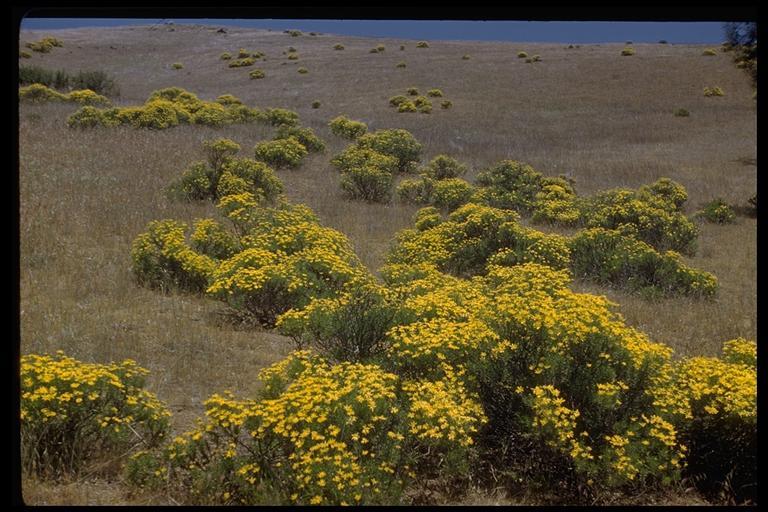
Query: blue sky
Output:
(523,31)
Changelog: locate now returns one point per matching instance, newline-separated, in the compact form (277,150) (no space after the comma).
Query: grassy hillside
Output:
(600,118)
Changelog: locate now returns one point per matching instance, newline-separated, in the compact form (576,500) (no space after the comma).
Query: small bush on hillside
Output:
(446,104)
(627,52)
(443,167)
(24,55)
(347,128)
(380,48)
(97,81)
(85,117)
(401,65)
(45,45)
(718,212)
(421,101)
(303,71)
(73,413)
(681,112)
(177,65)
(241,63)
(465,57)
(338,46)
(242,53)
(450,193)
(368,183)
(407,106)
(709,52)
(400,144)
(257,74)
(412,91)
(293,56)
(522,55)
(306,136)
(422,44)
(316,104)
(214,240)
(713,91)
(358,156)
(38,93)
(395,101)
(287,152)
(435,93)
(536,58)
(278,116)
(225,56)
(509,184)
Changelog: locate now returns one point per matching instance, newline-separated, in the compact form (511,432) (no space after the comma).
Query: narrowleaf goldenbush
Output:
(214,240)
(241,63)
(627,52)
(709,52)
(257,74)
(177,65)
(407,106)
(398,143)
(45,45)
(717,212)
(282,116)
(347,128)
(422,44)
(288,152)
(510,185)
(305,136)
(73,413)
(318,434)
(713,91)
(162,259)
(338,46)
(39,93)
(367,182)
(435,93)
(446,104)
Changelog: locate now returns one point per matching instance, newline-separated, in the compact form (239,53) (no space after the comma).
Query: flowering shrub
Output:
(287,152)
(347,128)
(318,434)
(522,55)
(407,106)
(357,156)
(401,65)
(421,101)
(305,136)
(716,413)
(162,259)
(435,93)
(398,143)
(279,116)
(422,44)
(450,193)
(212,239)
(412,91)
(225,56)
(73,412)
(87,97)
(45,45)
(626,52)
(338,46)
(709,52)
(442,167)
(303,71)
(415,191)
(349,327)
(681,112)
(446,104)
(556,203)
(367,182)
(257,74)
(608,256)
(718,212)
(38,93)
(177,65)
(713,91)
(241,63)
(510,185)
(166,108)
(396,101)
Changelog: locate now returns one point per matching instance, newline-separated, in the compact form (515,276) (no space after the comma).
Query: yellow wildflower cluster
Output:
(71,411)
(45,45)
(320,434)
(167,108)
(39,93)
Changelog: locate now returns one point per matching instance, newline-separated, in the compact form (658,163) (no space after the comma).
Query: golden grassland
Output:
(600,118)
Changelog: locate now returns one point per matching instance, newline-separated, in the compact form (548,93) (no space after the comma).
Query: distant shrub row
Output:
(38,93)
(97,81)
(419,103)
(45,45)
(173,106)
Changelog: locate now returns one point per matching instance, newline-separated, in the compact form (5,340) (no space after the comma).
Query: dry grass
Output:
(603,119)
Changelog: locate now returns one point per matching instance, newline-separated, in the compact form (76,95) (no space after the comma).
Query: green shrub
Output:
(241,63)
(412,91)
(443,167)
(398,143)
(162,259)
(316,104)
(396,101)
(407,106)
(280,116)
(211,114)
(402,47)
(681,112)
(465,57)
(359,156)
(287,152)
(338,46)
(38,93)
(213,240)
(322,423)
(627,52)
(446,104)
(24,55)
(718,212)
(303,71)
(293,56)
(610,257)
(709,52)
(368,183)
(228,100)
(421,101)
(344,127)
(415,191)
(225,56)
(509,184)
(450,193)
(522,55)
(422,44)
(401,65)
(380,48)
(73,413)
(713,91)
(177,65)
(305,136)
(85,117)
(435,93)
(242,53)
(257,74)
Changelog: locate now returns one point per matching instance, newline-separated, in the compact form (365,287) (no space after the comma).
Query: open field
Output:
(600,118)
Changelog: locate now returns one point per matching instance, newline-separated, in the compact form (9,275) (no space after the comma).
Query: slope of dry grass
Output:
(603,119)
